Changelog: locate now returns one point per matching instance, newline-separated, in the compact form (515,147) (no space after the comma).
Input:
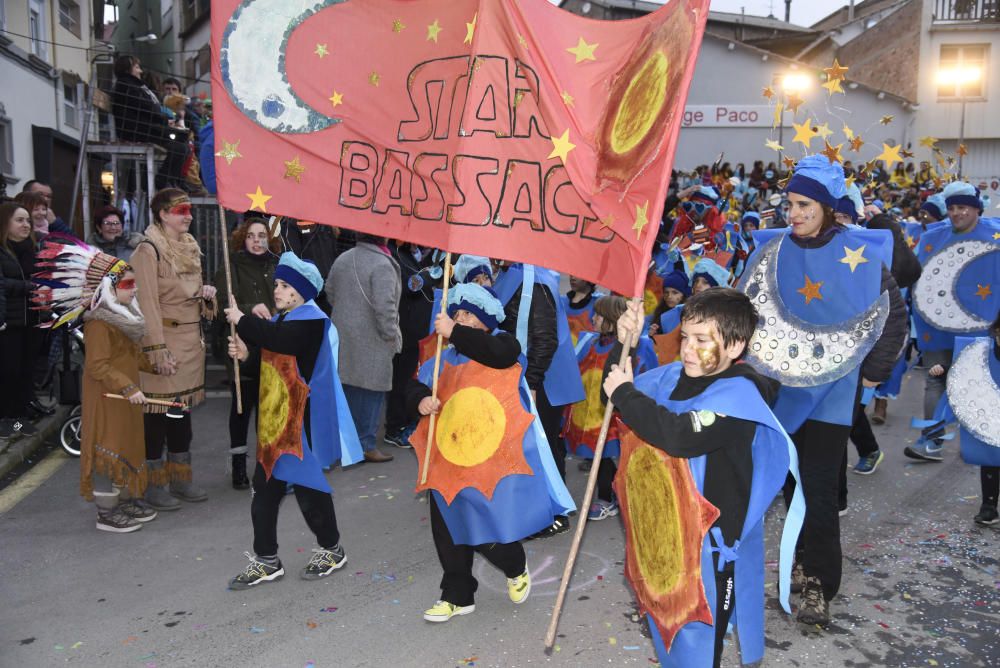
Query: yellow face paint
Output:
(708,357)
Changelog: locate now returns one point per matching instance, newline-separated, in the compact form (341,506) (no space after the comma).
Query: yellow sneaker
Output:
(518,588)
(443,611)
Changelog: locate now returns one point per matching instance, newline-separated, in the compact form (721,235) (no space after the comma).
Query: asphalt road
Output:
(921,584)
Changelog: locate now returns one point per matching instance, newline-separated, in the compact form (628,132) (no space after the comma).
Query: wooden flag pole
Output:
(155,402)
(437,369)
(232,302)
(550,636)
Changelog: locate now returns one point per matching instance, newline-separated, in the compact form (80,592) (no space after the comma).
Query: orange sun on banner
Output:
(479,432)
(666,520)
(652,293)
(282,408)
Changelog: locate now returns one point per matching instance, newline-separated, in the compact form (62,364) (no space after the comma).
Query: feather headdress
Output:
(71,279)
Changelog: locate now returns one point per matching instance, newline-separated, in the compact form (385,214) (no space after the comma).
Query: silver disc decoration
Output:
(973,394)
(796,352)
(935,295)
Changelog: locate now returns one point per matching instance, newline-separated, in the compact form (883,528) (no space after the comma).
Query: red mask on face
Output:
(127,284)
(180,210)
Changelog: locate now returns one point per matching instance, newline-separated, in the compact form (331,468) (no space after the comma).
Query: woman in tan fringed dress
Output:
(173,299)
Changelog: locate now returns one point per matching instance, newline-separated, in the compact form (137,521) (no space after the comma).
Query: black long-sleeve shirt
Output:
(726,443)
(498,351)
(543,333)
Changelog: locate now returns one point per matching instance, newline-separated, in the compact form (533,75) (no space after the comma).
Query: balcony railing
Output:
(192,11)
(967,11)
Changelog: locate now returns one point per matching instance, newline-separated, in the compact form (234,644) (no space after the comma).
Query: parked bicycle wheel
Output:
(69,435)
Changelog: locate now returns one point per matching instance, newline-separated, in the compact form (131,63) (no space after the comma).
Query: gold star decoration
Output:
(374,78)
(885,120)
(397,26)
(849,181)
(294,169)
(853,258)
(773,145)
(811,290)
(778,110)
(836,72)
(804,132)
(523,42)
(561,146)
(470,29)
(984,291)
(848,132)
(856,143)
(583,51)
(258,200)
(337,99)
(996,236)
(433,30)
(567,99)
(832,153)
(962,150)
(890,155)
(833,86)
(641,218)
(929,142)
(768,92)
(794,102)
(607,222)
(906,154)
(321,50)
(788,162)
(824,131)
(230,151)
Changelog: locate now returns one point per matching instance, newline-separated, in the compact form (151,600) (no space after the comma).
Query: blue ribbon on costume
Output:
(524,308)
(726,554)
(867,394)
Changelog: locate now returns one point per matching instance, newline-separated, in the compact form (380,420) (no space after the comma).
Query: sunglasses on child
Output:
(697,207)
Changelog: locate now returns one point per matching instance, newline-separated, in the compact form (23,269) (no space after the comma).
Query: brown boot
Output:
(878,412)
(377,456)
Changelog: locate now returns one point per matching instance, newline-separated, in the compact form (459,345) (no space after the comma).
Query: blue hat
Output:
(852,203)
(959,193)
(936,206)
(469,266)
(819,179)
(479,301)
(677,280)
(751,216)
(706,193)
(711,271)
(878,203)
(300,274)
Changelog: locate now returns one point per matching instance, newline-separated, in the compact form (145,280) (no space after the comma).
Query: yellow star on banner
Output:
(832,153)
(890,155)
(523,42)
(321,50)
(374,78)
(258,200)
(607,222)
(833,86)
(929,142)
(836,71)
(773,145)
(397,26)
(433,30)
(561,146)
(794,102)
(583,51)
(337,99)
(768,92)
(962,150)
(848,132)
(811,290)
(824,131)
(778,110)
(885,120)
(294,169)
(984,291)
(567,99)
(641,218)
(230,151)
(470,29)
(853,258)
(804,132)
(856,143)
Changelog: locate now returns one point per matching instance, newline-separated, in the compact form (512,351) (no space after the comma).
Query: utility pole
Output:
(788,11)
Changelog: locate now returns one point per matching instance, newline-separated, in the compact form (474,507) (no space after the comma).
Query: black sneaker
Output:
(398,439)
(813,609)
(987,516)
(255,573)
(323,562)
(558,526)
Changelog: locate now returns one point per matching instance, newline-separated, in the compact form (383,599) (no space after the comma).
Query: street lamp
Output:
(791,83)
(961,77)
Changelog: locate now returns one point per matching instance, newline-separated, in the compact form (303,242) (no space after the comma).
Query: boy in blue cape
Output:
(298,350)
(472,523)
(714,411)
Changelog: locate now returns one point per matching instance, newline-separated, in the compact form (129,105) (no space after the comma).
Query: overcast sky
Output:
(804,12)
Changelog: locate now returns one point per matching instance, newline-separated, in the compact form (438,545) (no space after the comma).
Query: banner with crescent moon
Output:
(515,130)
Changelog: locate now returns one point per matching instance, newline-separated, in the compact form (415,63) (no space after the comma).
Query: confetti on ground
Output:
(79,643)
(311,624)
(310,664)
(330,609)
(630,648)
(257,629)
(130,640)
(148,656)
(883,625)
(409,578)
(600,577)
(59,648)
(200,627)
(612,641)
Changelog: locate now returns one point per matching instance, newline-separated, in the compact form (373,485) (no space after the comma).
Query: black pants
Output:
(18,349)
(458,586)
(606,471)
(404,365)
(316,507)
(239,424)
(861,432)
(822,448)
(725,603)
(551,417)
(160,429)
(989,478)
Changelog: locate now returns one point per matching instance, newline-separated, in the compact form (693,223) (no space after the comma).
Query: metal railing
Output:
(967,11)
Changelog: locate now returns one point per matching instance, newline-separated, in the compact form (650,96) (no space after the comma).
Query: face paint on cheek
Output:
(708,357)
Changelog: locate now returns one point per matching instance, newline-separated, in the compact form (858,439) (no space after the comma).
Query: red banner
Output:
(514,130)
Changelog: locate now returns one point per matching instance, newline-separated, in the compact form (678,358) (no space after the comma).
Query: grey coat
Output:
(363,289)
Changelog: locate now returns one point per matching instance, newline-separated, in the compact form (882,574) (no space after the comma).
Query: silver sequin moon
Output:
(935,297)
(973,394)
(796,352)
